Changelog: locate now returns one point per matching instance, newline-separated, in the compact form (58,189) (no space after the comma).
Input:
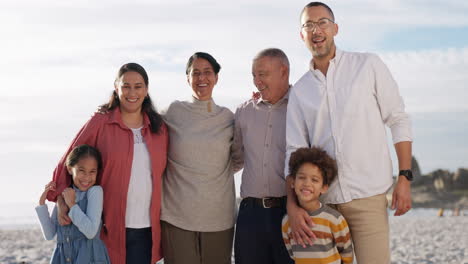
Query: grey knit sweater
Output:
(198,185)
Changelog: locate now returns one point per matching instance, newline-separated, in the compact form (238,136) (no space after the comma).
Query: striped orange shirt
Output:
(333,244)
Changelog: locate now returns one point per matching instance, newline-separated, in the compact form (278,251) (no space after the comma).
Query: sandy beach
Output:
(419,238)
(424,240)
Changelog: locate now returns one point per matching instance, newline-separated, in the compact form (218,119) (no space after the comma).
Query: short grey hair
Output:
(273,53)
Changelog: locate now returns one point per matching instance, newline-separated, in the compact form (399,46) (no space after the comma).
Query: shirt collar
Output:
(285,98)
(318,211)
(116,118)
(208,106)
(334,60)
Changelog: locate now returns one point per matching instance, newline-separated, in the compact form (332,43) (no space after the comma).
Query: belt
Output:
(267,202)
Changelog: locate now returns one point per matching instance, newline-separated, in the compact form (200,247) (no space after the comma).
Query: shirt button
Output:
(68,239)
(266,145)
(270,126)
(68,259)
(264,165)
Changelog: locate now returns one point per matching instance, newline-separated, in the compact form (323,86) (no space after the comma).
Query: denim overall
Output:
(74,248)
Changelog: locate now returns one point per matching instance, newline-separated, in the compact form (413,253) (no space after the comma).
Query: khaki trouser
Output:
(368,222)
(182,246)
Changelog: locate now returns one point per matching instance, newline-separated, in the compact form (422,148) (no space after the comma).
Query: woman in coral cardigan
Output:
(133,141)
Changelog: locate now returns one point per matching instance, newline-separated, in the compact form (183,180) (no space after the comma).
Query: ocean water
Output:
(23,215)
(19,215)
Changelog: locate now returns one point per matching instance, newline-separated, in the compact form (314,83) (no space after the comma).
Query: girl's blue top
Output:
(78,242)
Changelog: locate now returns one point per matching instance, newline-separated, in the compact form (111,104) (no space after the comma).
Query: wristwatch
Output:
(407,173)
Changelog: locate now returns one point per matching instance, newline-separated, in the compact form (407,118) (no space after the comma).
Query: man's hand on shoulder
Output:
(300,223)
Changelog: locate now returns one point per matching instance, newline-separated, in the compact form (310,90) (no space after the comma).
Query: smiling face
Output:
(202,79)
(308,186)
(271,78)
(319,41)
(84,173)
(131,90)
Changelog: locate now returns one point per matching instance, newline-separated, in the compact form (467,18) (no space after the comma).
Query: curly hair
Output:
(318,157)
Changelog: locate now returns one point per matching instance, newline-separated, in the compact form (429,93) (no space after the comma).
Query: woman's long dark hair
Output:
(147,106)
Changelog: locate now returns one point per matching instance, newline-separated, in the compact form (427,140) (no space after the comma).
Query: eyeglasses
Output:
(196,74)
(323,23)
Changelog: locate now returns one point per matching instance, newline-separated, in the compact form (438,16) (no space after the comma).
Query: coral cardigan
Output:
(114,140)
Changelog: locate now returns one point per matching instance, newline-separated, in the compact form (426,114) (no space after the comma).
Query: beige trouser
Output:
(189,247)
(368,221)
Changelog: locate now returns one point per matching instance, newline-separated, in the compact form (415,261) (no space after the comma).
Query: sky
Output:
(59,60)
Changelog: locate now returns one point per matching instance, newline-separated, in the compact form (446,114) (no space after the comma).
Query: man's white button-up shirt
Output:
(345,113)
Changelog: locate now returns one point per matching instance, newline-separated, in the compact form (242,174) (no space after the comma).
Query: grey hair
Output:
(273,53)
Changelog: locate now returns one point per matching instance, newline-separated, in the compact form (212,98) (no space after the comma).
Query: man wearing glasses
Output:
(342,104)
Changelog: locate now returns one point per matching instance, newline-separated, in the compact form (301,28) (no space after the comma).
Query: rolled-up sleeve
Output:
(392,107)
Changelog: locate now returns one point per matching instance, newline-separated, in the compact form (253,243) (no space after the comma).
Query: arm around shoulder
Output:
(300,222)
(90,222)
(87,135)
(237,148)
(297,133)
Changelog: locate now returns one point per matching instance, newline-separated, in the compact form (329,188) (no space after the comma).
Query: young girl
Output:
(78,242)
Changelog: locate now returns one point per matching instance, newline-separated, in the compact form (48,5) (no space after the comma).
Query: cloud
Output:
(440,140)
(431,80)
(59,60)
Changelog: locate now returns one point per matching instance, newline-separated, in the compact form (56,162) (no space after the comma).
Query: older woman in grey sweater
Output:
(198,204)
